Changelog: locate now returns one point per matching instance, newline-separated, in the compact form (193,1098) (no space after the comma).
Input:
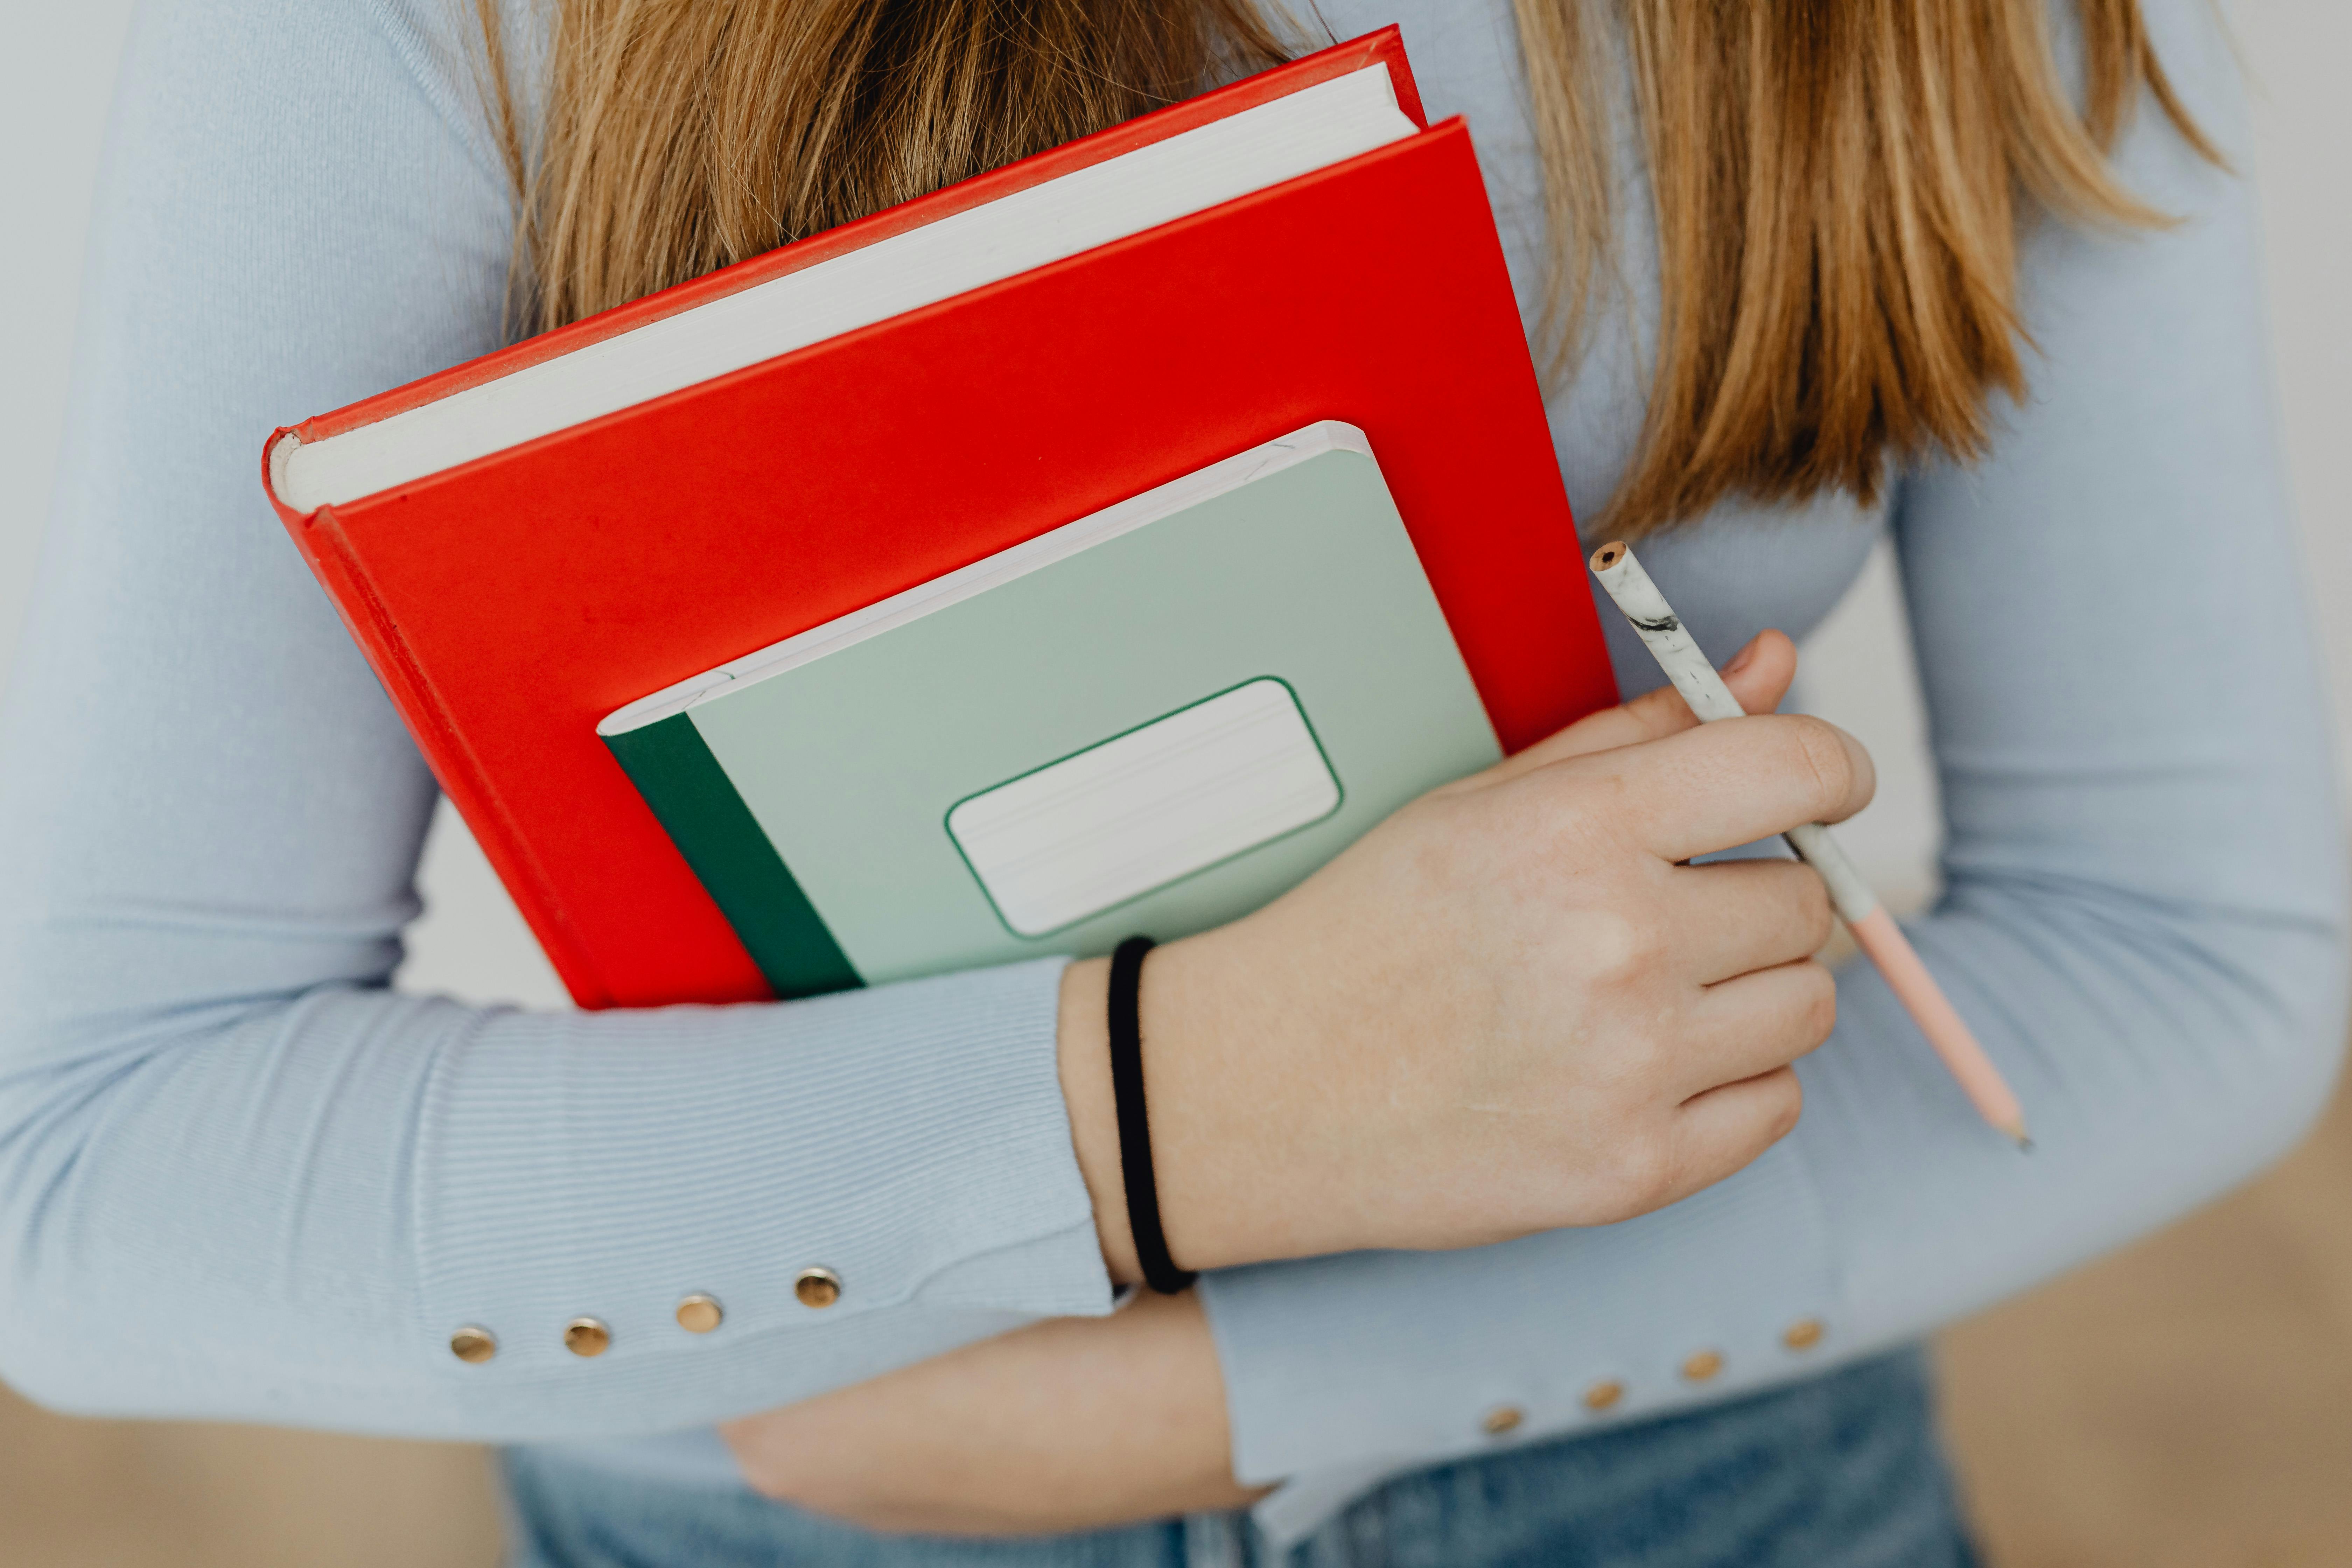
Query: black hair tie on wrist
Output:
(1160,1270)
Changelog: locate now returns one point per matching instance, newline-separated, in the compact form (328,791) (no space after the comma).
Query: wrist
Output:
(1223,1099)
(1218,1093)
(1215,1099)
(1083,1048)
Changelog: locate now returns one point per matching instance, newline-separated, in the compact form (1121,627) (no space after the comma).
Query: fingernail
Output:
(1739,660)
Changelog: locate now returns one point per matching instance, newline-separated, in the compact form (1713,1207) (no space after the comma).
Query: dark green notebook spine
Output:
(721,840)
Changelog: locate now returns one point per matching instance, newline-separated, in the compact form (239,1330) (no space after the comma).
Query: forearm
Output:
(325,1190)
(1889,1211)
(1072,1424)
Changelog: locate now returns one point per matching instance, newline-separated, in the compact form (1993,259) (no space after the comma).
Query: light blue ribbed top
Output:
(241,1178)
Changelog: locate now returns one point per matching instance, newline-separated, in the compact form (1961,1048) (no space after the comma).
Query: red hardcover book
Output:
(511,600)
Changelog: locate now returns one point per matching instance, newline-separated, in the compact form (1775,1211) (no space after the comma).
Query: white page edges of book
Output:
(1143,809)
(1124,195)
(1055,544)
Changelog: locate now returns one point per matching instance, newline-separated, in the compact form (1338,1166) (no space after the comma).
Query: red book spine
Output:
(1383,47)
(342,572)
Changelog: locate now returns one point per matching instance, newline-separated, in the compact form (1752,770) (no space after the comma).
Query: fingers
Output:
(1719,1133)
(1758,1022)
(1736,916)
(1758,675)
(1721,785)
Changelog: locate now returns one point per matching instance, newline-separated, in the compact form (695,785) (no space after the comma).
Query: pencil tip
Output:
(2024,1144)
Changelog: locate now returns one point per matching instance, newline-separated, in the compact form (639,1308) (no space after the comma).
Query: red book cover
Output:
(509,603)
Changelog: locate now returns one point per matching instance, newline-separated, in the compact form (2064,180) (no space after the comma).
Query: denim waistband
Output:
(1843,1471)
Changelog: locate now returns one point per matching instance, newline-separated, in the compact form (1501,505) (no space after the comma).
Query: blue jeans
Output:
(1841,1472)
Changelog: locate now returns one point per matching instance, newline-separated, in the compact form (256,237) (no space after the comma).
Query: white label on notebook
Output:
(1142,809)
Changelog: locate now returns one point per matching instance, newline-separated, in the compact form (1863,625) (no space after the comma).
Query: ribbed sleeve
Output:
(239,1177)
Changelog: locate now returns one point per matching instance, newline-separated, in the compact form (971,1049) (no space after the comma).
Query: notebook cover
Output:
(881,811)
(511,602)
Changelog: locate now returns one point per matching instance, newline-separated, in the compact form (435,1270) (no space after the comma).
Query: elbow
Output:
(38,1361)
(76,1275)
(2289,1045)
(40,1274)
(44,1341)
(92,1322)
(70,1342)
(2299,1091)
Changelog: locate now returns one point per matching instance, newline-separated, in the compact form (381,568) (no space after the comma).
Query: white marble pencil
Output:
(1875,930)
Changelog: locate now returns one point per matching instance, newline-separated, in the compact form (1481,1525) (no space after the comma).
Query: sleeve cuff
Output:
(1339,1370)
(909,1141)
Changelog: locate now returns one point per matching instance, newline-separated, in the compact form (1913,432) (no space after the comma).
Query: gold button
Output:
(1603,1395)
(818,1287)
(1702,1366)
(586,1336)
(700,1314)
(1501,1419)
(1803,1334)
(473,1343)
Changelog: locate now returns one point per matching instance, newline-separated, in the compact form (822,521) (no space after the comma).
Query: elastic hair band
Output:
(1160,1270)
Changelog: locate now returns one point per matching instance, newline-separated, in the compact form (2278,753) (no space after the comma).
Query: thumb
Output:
(1758,675)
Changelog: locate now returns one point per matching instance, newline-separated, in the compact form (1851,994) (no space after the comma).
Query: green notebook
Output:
(1153,720)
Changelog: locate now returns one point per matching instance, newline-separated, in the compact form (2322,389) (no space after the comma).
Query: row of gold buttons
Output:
(697,1314)
(1802,1335)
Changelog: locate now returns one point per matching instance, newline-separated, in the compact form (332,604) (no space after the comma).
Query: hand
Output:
(1079,1424)
(1072,1424)
(1507,1008)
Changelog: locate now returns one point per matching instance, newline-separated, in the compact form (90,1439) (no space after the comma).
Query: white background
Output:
(56,68)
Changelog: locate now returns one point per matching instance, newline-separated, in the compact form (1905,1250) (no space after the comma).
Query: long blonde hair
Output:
(1838,183)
